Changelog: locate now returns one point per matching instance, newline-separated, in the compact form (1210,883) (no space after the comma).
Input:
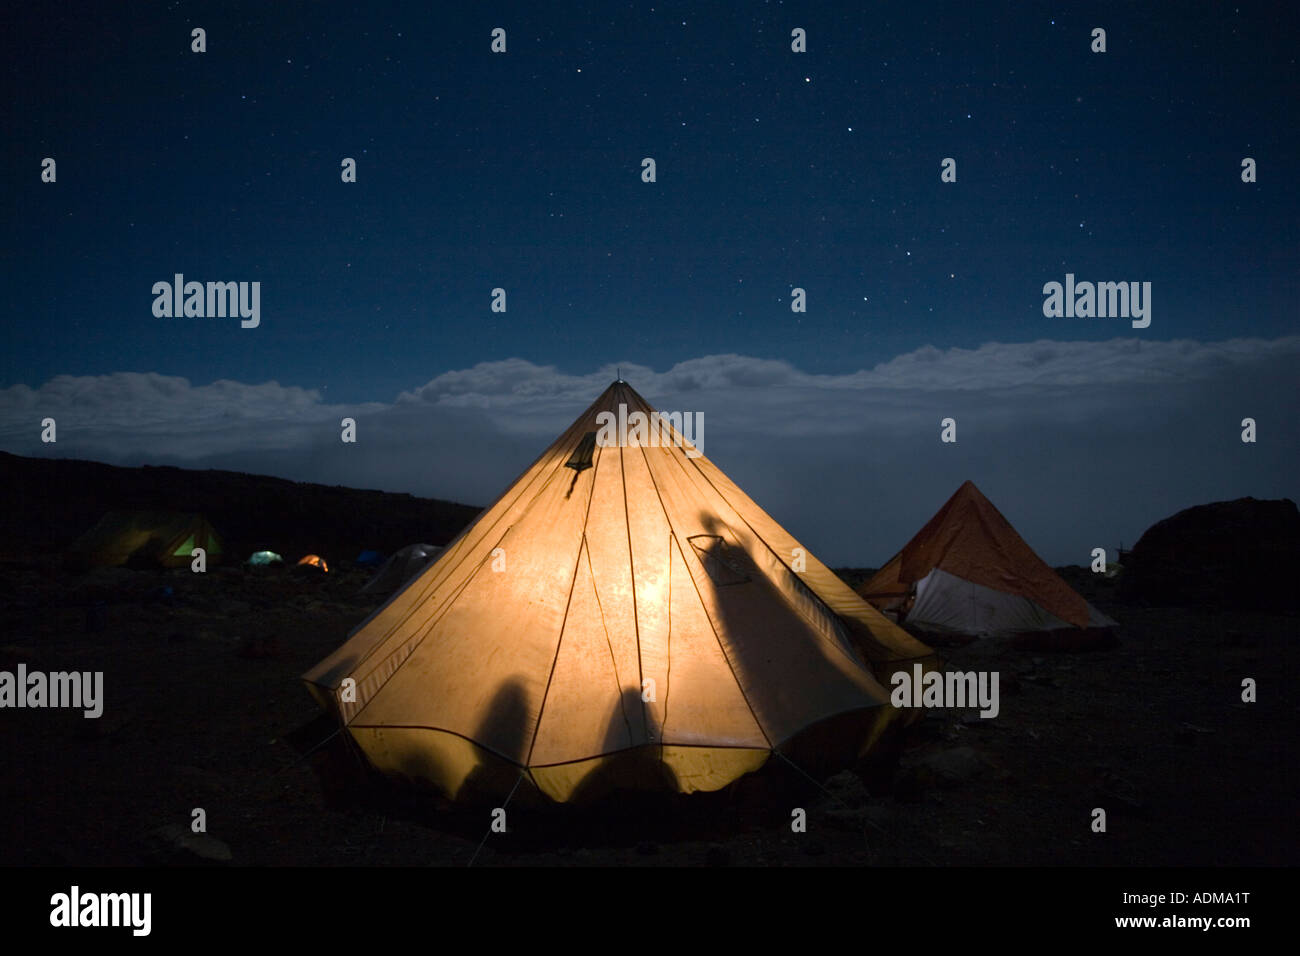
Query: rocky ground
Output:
(203,701)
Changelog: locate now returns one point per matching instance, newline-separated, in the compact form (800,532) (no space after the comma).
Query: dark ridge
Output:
(49,502)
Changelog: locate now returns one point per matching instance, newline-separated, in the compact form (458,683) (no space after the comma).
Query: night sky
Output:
(775,170)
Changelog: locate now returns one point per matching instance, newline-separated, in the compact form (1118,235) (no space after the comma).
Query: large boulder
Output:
(1230,554)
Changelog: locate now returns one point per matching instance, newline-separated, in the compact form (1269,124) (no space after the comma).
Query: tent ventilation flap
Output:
(580,460)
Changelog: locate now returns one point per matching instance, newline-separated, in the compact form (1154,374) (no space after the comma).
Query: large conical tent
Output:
(622,616)
(968,572)
(149,538)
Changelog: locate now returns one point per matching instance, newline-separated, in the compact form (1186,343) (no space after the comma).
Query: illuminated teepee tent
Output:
(968,572)
(622,616)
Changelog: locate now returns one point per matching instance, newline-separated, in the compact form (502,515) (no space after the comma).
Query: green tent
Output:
(155,538)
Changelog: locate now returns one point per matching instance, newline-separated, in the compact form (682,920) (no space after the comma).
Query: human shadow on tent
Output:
(813,698)
(628,799)
(629,759)
(481,771)
(500,744)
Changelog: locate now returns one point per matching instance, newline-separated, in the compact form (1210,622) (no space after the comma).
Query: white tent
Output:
(404,564)
(947,603)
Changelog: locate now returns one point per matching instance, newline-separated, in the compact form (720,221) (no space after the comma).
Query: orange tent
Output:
(969,571)
(315,561)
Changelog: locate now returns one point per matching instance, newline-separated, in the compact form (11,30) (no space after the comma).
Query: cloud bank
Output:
(1080,444)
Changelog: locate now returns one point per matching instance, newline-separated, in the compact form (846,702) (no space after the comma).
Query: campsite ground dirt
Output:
(201,690)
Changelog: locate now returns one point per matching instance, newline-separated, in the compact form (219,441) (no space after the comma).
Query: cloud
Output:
(159,413)
(1046,363)
(991,366)
(1081,444)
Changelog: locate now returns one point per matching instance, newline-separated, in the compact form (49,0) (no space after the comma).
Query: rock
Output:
(1229,554)
(878,816)
(112,721)
(907,787)
(110,584)
(1116,800)
(931,726)
(851,819)
(176,839)
(848,789)
(949,768)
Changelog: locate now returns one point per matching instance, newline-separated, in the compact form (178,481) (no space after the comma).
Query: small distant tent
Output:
(967,573)
(624,616)
(401,567)
(368,559)
(261,559)
(313,561)
(145,538)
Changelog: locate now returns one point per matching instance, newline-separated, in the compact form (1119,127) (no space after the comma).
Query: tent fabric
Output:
(972,573)
(401,567)
(264,558)
(161,538)
(948,603)
(313,561)
(368,559)
(636,623)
